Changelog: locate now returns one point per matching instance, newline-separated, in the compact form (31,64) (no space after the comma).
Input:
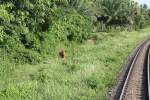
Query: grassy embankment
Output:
(91,70)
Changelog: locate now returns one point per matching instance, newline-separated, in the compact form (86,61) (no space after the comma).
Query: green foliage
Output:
(72,27)
(39,25)
(5,16)
(31,30)
(140,22)
(24,57)
(1,34)
(120,13)
(17,92)
(53,82)
(92,82)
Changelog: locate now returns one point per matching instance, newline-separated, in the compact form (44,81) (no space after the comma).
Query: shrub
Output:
(92,82)
(140,22)
(27,56)
(72,27)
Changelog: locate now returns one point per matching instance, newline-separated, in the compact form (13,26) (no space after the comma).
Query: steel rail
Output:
(148,73)
(129,73)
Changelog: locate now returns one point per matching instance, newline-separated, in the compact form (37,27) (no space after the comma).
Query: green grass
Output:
(91,70)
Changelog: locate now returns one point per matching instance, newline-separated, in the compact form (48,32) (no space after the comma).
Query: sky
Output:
(144,2)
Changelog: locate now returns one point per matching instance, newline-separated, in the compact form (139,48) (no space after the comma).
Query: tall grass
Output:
(89,73)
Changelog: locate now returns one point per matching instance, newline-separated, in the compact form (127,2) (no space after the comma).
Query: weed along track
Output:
(136,85)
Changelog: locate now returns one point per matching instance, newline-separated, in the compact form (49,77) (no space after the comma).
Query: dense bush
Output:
(31,29)
(72,27)
(30,57)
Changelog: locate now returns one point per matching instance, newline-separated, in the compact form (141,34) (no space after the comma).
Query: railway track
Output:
(148,74)
(136,85)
